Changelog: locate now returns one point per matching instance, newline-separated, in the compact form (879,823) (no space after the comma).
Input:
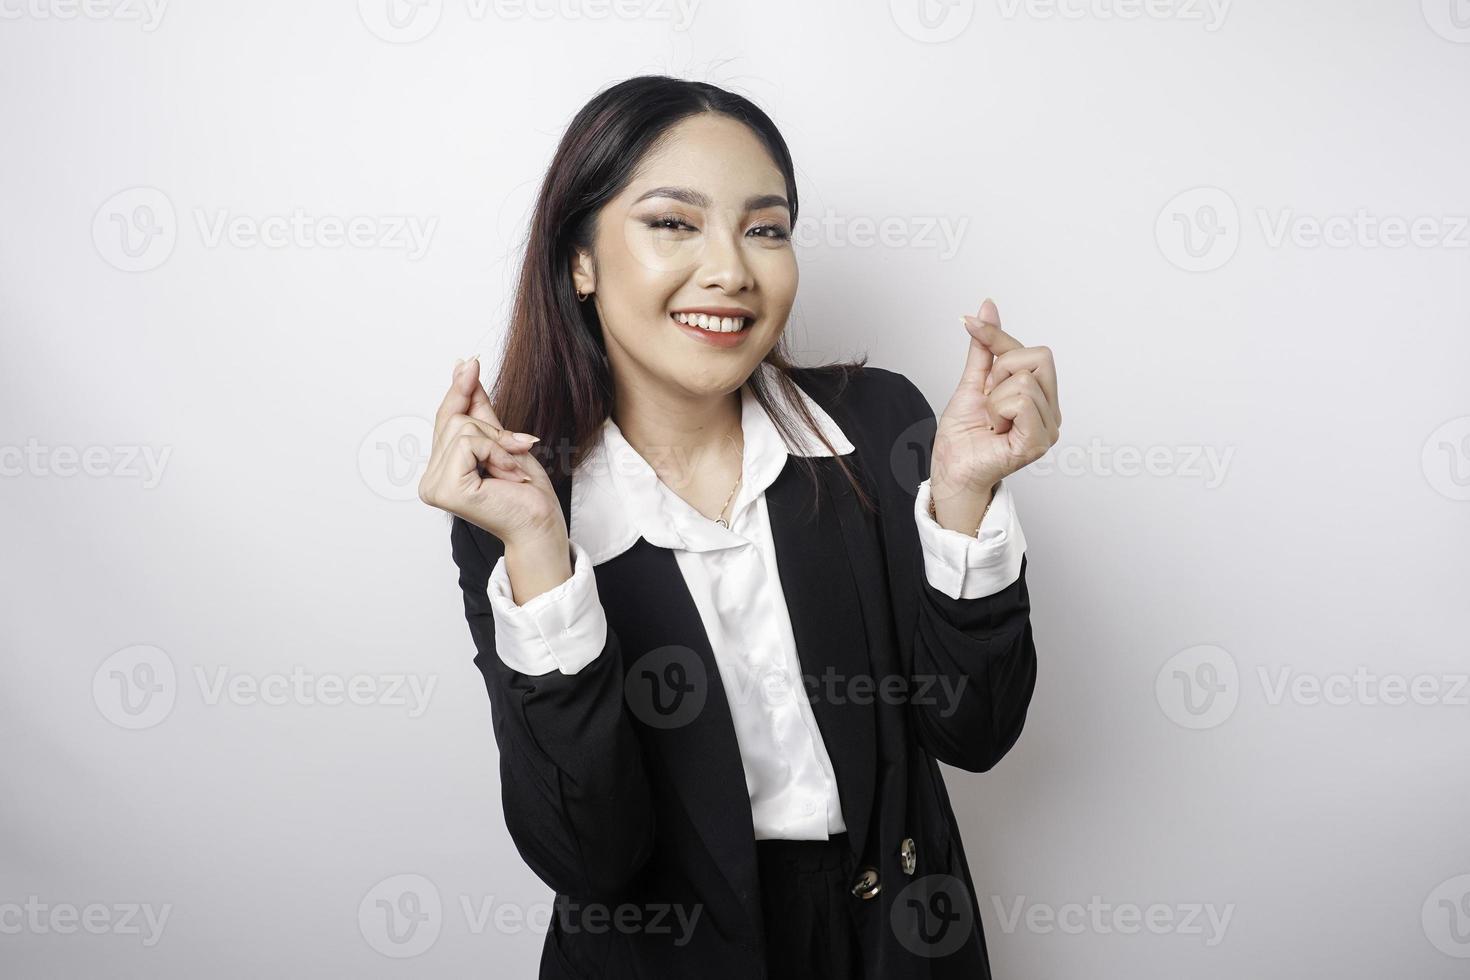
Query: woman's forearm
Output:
(959,511)
(537,565)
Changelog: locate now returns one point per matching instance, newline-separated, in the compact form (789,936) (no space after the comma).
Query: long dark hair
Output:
(554,379)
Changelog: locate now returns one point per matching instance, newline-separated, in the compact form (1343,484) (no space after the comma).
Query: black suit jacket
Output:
(622,784)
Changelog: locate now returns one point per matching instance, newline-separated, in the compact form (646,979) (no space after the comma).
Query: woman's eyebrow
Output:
(700,200)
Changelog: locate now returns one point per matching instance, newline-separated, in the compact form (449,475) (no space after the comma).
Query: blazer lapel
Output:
(827,622)
(673,689)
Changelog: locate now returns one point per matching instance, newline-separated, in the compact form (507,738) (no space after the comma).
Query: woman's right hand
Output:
(515,501)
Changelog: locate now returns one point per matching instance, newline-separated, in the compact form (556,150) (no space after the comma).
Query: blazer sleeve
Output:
(573,783)
(973,659)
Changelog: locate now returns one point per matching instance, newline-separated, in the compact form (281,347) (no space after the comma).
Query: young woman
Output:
(728,615)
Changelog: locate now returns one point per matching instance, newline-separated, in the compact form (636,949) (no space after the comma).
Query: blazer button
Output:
(907,856)
(868,886)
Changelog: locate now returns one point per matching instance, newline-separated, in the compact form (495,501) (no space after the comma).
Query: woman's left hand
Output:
(1003,416)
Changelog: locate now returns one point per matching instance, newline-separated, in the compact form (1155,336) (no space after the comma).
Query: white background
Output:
(284,393)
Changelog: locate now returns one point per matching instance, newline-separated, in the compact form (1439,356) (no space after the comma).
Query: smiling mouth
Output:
(714,324)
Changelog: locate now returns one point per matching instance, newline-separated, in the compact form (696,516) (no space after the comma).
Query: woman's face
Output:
(703,226)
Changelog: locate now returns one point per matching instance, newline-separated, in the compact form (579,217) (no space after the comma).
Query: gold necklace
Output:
(720,519)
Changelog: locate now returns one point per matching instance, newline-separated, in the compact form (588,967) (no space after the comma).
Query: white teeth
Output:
(713,324)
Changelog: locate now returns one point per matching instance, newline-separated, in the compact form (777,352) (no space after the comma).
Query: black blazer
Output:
(622,784)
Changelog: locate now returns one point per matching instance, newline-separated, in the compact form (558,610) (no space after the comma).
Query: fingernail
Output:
(526,439)
(988,312)
(458,363)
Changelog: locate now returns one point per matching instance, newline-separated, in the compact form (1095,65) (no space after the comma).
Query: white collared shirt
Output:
(732,576)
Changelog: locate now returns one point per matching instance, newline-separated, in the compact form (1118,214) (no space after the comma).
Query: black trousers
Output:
(805,891)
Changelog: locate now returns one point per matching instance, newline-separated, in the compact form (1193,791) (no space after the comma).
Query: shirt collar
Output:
(618,498)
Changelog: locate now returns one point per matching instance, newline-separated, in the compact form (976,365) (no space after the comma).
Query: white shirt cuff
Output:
(972,567)
(563,629)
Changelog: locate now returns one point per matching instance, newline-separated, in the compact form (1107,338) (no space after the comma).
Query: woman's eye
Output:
(669,222)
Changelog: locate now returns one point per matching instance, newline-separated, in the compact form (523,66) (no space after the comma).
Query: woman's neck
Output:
(693,444)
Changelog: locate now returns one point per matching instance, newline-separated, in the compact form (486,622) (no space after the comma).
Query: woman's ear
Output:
(584,275)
